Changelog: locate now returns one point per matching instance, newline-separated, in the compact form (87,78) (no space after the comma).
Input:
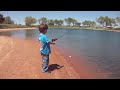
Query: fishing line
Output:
(62,35)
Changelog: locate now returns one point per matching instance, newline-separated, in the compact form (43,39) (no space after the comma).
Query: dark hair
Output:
(43,27)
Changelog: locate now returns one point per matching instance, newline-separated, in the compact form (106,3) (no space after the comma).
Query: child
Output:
(45,46)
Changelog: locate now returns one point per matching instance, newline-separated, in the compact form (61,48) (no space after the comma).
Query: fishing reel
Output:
(54,39)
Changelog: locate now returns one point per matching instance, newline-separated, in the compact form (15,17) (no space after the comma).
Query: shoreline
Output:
(18,62)
(114,30)
(15,29)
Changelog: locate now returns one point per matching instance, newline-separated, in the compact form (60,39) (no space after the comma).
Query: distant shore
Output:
(32,28)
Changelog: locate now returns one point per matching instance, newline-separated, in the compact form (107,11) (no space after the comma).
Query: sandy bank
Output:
(20,59)
(114,30)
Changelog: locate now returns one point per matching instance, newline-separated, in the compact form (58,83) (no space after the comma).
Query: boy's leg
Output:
(45,63)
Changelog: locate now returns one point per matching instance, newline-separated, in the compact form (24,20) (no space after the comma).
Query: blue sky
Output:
(19,16)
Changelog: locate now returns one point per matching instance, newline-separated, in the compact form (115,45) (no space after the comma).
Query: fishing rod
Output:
(62,35)
(59,37)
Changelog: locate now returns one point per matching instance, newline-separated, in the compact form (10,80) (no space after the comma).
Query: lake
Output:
(89,50)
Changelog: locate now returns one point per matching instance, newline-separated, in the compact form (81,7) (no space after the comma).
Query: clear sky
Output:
(19,16)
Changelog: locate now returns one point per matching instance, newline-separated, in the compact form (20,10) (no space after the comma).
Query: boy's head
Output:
(43,28)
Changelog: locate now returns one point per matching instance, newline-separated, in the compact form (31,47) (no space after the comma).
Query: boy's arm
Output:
(49,41)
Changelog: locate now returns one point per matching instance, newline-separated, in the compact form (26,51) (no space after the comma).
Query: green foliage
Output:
(30,20)
(77,24)
(70,21)
(89,23)
(2,19)
(4,26)
(1,16)
(8,20)
(51,22)
(42,20)
(58,22)
(106,21)
(117,20)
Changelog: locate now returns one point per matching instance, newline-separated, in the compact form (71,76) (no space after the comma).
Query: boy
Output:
(45,46)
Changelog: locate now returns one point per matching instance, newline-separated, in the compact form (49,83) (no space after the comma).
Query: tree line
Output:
(104,21)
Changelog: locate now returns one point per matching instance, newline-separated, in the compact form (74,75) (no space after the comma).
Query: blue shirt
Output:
(45,48)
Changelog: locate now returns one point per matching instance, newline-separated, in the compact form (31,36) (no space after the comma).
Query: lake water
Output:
(99,51)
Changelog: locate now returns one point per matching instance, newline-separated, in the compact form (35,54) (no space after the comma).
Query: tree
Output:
(101,20)
(30,20)
(69,21)
(56,22)
(118,20)
(8,20)
(77,24)
(112,22)
(51,22)
(89,23)
(73,21)
(85,23)
(92,23)
(1,18)
(42,20)
(106,21)
(60,22)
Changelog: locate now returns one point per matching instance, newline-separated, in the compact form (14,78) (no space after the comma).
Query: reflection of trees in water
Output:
(7,33)
(28,34)
(31,34)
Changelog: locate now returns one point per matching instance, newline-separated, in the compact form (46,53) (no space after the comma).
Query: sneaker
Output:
(46,71)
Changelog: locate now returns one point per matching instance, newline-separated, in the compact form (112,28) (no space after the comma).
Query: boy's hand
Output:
(51,43)
(54,39)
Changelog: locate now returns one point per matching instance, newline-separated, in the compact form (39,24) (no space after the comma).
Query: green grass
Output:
(85,28)
(76,27)
(116,29)
(5,26)
(64,27)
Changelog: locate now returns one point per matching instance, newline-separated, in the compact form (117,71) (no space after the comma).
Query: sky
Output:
(19,16)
